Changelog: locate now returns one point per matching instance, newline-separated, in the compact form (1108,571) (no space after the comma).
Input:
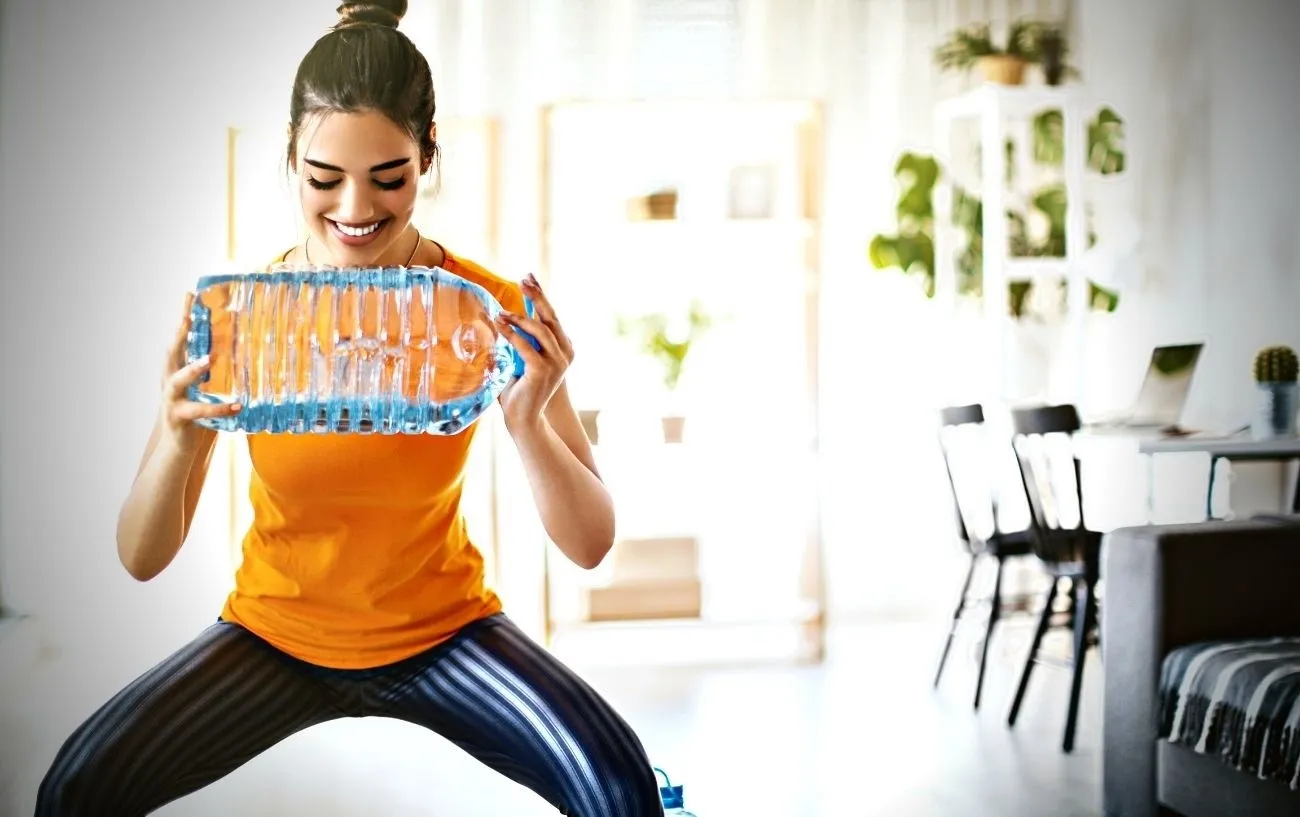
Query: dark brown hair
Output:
(365,64)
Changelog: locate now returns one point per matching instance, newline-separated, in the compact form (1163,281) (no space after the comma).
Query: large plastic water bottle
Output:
(673,801)
(407,350)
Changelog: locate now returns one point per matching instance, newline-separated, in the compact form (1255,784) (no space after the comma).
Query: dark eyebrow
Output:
(376,169)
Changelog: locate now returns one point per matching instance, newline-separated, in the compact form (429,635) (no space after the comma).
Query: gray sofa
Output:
(1180,602)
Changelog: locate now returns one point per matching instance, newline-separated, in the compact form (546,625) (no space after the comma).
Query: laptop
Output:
(1163,395)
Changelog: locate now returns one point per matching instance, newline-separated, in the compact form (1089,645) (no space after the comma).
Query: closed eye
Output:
(396,184)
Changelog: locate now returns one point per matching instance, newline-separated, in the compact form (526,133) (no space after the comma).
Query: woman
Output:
(359,593)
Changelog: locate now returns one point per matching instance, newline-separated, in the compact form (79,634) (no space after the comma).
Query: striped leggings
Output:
(228,696)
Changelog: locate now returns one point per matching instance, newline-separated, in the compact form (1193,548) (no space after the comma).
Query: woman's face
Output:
(357,177)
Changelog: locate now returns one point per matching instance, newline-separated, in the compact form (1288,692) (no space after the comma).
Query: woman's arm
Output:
(563,418)
(155,518)
(576,509)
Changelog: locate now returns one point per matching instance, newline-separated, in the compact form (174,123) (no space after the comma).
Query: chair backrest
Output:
(1052,476)
(964,445)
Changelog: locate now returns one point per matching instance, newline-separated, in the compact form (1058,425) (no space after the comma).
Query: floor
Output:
(863,734)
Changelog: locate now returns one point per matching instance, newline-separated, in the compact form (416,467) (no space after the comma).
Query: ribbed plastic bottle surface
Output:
(409,350)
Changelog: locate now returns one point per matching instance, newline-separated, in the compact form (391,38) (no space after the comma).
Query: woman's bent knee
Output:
(69,790)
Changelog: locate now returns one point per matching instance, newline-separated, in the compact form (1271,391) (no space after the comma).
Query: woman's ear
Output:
(427,162)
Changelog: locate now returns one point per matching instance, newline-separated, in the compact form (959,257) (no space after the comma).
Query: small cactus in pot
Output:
(1277,369)
(1277,364)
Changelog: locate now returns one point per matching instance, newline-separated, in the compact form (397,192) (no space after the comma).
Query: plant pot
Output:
(658,206)
(674,426)
(588,418)
(1002,69)
(1276,413)
(662,205)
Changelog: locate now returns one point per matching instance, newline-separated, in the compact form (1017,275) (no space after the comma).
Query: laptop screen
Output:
(1168,380)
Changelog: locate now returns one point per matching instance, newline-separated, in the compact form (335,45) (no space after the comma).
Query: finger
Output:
(531,356)
(186,376)
(546,314)
(190,410)
(176,355)
(540,331)
(542,304)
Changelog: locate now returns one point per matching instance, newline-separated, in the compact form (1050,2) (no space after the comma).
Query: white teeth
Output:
(358,231)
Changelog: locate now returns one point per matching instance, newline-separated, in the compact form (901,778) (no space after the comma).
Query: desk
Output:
(1238,448)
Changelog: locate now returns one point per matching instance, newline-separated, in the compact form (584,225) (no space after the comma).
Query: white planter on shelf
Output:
(1276,413)
(674,427)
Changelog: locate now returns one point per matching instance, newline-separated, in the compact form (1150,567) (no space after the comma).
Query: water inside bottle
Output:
(391,350)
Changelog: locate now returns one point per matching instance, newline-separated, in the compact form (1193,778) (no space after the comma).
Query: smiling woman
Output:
(361,127)
(357,208)
(360,592)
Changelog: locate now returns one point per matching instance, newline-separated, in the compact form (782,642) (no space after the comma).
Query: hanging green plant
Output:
(911,249)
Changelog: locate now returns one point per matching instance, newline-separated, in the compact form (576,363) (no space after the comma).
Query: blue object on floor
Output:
(671,796)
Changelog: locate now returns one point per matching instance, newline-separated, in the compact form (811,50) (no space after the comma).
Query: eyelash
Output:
(390,186)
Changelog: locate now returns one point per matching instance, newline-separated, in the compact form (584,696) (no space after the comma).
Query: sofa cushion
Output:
(1238,701)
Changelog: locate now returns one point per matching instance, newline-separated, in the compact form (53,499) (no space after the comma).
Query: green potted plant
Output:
(669,345)
(1276,371)
(910,248)
(972,46)
(1051,49)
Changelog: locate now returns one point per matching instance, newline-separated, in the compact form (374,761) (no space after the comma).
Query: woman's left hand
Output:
(524,400)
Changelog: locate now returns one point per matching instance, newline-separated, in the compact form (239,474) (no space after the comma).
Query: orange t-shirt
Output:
(358,555)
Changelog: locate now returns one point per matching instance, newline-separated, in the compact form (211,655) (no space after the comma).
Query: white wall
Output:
(1209,91)
(112,153)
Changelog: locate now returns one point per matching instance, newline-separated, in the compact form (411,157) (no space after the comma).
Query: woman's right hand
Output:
(178,411)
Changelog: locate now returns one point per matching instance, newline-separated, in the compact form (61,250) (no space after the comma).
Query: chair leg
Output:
(1085,611)
(995,609)
(956,617)
(1043,621)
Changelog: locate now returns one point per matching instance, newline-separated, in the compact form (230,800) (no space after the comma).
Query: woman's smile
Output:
(357,234)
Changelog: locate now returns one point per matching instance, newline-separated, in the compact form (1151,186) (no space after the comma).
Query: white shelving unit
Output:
(1001,113)
(756,521)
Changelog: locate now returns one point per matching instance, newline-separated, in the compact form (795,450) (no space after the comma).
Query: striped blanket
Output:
(1238,701)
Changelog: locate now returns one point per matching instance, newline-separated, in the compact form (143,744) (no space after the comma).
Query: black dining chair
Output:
(1061,542)
(971,468)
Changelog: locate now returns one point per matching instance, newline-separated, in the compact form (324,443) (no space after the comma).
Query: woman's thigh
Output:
(507,701)
(198,715)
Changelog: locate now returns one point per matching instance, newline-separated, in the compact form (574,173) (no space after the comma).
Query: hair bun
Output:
(388,13)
